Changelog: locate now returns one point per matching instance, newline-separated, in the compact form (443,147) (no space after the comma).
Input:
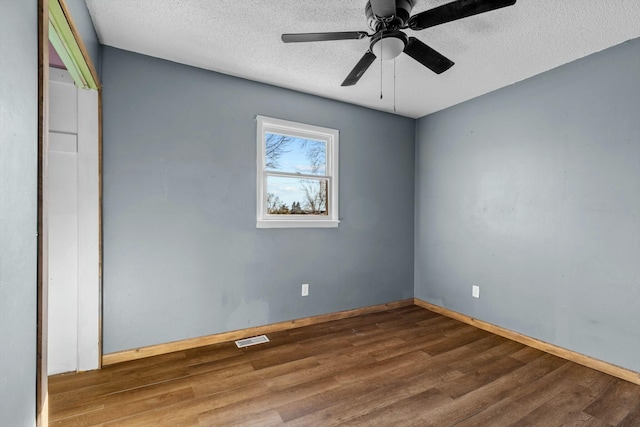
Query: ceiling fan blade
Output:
(321,37)
(455,10)
(427,56)
(357,72)
(383,8)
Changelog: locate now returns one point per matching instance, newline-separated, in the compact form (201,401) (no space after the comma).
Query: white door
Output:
(74,286)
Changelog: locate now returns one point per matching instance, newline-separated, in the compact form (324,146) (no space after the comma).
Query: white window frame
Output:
(299,130)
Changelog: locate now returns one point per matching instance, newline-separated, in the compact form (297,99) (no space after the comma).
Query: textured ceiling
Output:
(242,38)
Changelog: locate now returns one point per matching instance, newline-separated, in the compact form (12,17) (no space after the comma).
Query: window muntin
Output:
(297,175)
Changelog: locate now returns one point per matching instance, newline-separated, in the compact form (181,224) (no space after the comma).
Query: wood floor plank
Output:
(526,354)
(632,419)
(448,343)
(187,413)
(356,351)
(317,402)
(341,363)
(502,413)
(480,377)
(420,378)
(284,354)
(405,412)
(488,356)
(264,419)
(404,367)
(615,403)
(257,377)
(72,381)
(134,407)
(371,371)
(233,414)
(564,408)
(507,411)
(470,403)
(141,379)
(346,410)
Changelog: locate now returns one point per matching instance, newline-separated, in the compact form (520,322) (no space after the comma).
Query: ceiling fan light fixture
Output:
(388,47)
(388,44)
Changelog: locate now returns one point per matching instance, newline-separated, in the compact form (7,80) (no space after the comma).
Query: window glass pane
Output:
(295,155)
(295,196)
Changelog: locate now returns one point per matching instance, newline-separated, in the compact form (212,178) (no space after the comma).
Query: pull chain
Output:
(381,41)
(394,85)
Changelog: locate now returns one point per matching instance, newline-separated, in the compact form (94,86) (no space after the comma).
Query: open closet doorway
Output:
(69,203)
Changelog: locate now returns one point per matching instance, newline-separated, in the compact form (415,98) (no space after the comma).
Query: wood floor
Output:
(403,367)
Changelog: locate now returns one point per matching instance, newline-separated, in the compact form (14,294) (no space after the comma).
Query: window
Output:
(297,177)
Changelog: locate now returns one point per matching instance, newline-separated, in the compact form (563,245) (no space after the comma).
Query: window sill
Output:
(292,223)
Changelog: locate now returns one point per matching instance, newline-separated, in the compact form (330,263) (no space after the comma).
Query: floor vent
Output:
(252,341)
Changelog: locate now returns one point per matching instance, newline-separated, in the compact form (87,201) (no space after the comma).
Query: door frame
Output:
(74,42)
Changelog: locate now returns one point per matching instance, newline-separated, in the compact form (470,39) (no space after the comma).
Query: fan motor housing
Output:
(399,20)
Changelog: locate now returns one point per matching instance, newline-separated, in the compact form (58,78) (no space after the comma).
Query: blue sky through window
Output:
(296,156)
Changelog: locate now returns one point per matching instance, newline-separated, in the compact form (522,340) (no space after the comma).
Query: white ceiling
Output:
(242,38)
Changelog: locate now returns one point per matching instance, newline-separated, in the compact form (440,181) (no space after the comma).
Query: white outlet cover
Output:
(305,289)
(475,291)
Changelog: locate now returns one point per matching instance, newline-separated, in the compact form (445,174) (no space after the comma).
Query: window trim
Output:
(300,130)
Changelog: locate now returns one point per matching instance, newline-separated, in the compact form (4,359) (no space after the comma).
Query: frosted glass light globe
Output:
(388,48)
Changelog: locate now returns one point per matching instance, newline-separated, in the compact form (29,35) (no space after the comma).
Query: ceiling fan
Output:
(387,18)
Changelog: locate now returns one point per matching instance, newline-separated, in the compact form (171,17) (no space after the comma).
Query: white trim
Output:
(300,130)
(296,223)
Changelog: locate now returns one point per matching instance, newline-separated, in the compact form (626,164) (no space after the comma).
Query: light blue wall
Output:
(182,255)
(18,210)
(84,24)
(532,192)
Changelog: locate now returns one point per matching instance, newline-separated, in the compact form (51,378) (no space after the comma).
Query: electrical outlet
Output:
(305,289)
(475,291)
